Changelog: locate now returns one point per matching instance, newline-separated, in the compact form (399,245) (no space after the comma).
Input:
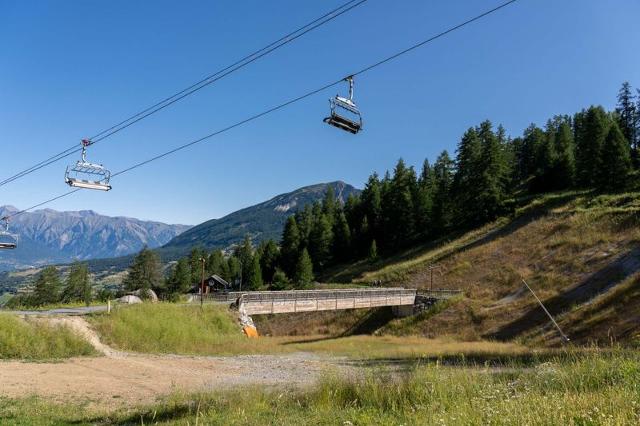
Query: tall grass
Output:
(36,340)
(178,329)
(593,390)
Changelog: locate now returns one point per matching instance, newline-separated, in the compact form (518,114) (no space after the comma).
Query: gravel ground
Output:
(122,379)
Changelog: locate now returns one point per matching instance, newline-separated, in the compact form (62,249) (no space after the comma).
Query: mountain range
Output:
(49,236)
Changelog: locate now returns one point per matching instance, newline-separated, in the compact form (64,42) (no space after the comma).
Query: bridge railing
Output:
(260,296)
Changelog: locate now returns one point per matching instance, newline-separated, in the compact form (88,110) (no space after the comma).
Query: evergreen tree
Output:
(216,263)
(145,273)
(244,253)
(423,201)
(491,185)
(593,131)
(527,156)
(77,286)
(341,237)
(47,287)
(464,189)
(235,272)
(442,206)
(329,204)
(398,210)
(616,162)
(373,251)
(254,273)
(290,245)
(304,270)
(269,259)
(320,241)
(195,264)
(564,169)
(627,115)
(372,209)
(545,162)
(280,280)
(179,280)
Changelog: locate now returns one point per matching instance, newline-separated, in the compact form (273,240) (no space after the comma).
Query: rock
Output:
(130,299)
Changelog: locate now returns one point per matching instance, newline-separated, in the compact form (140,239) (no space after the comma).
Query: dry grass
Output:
(557,242)
(34,340)
(597,389)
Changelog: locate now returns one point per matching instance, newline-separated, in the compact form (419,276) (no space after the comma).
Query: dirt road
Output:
(122,379)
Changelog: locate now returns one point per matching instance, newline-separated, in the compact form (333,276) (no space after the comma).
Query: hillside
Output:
(261,221)
(579,251)
(49,236)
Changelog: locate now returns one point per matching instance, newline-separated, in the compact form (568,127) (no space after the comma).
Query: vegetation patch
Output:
(176,329)
(36,340)
(597,389)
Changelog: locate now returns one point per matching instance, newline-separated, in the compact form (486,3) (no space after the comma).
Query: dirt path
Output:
(122,379)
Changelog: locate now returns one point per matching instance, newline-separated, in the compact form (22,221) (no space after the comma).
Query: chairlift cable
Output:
(289,102)
(210,79)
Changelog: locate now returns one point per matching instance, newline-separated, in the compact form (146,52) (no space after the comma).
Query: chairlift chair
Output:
(8,240)
(344,112)
(87,175)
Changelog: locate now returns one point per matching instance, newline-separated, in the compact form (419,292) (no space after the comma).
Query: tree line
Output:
(49,288)
(592,148)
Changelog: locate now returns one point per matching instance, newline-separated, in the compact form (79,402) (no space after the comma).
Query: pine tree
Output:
(627,115)
(329,204)
(398,209)
(216,263)
(491,185)
(304,270)
(290,245)
(442,206)
(616,162)
(371,206)
(593,131)
(373,251)
(244,253)
(464,189)
(179,281)
(423,203)
(145,273)
(320,241)
(254,273)
(526,159)
(341,237)
(195,264)
(47,287)
(77,286)
(280,281)
(269,259)
(565,167)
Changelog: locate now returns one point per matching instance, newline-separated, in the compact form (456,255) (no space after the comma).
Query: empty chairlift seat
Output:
(87,175)
(344,112)
(8,240)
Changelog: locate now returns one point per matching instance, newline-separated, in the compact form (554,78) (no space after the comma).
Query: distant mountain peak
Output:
(262,221)
(51,236)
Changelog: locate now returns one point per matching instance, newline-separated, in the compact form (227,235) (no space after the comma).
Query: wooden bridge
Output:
(276,302)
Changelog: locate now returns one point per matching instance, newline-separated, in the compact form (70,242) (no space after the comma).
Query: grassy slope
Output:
(35,340)
(569,390)
(571,247)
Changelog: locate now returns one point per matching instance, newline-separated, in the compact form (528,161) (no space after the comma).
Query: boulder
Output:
(130,299)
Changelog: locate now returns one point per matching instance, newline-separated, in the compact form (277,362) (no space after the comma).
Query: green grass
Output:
(602,388)
(35,340)
(178,329)
(55,306)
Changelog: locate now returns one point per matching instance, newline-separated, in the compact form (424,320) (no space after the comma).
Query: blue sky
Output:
(70,69)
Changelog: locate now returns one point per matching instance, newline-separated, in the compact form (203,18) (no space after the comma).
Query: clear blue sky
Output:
(69,69)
